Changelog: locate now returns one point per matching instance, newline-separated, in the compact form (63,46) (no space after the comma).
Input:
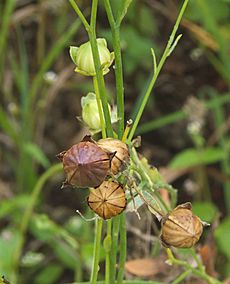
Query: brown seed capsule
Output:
(119,148)
(181,228)
(107,200)
(85,164)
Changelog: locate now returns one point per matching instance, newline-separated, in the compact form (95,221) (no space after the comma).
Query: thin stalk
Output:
(113,260)
(108,251)
(29,210)
(100,111)
(80,15)
(118,67)
(123,245)
(125,282)
(181,277)
(199,264)
(101,84)
(93,17)
(99,74)
(127,129)
(196,271)
(5,21)
(157,71)
(96,252)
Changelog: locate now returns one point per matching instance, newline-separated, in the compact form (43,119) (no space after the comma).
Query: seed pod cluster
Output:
(85,164)
(181,228)
(120,149)
(88,163)
(107,200)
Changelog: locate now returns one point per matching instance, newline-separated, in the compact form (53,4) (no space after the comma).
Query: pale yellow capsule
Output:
(120,149)
(181,228)
(107,200)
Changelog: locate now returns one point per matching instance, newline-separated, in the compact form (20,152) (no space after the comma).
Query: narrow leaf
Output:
(35,152)
(123,10)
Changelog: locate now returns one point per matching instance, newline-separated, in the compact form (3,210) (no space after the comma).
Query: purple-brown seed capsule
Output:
(85,164)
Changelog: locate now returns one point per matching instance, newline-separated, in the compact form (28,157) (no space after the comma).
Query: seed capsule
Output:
(107,200)
(181,228)
(85,164)
(119,148)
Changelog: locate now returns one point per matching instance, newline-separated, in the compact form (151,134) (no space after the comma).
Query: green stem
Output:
(98,69)
(100,111)
(113,260)
(5,16)
(80,15)
(196,271)
(125,282)
(166,53)
(181,277)
(29,210)
(101,84)
(108,251)
(96,252)
(123,245)
(118,67)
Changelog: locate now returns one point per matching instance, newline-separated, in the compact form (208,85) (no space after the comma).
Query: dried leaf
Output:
(146,267)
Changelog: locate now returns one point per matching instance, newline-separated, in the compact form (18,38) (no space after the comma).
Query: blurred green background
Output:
(185,129)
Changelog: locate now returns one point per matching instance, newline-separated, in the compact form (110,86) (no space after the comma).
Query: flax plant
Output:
(115,240)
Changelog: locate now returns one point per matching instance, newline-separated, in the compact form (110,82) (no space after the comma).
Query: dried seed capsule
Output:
(181,228)
(85,164)
(107,200)
(121,152)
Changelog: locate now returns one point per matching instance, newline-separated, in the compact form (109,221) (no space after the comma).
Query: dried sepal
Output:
(120,149)
(107,200)
(181,228)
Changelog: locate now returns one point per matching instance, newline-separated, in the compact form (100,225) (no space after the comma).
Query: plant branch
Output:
(100,110)
(118,67)
(96,252)
(196,271)
(123,244)
(29,210)
(80,15)
(166,53)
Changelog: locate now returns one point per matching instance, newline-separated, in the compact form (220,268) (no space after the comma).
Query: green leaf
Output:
(10,206)
(66,254)
(222,235)
(122,10)
(205,210)
(9,240)
(48,231)
(8,126)
(49,274)
(35,152)
(193,157)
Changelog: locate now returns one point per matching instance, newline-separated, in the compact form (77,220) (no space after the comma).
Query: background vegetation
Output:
(185,133)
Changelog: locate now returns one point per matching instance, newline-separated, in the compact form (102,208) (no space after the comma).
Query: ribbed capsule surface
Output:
(120,149)
(107,200)
(181,228)
(85,164)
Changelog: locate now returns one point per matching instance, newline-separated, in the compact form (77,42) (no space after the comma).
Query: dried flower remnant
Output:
(181,228)
(85,164)
(107,200)
(120,149)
